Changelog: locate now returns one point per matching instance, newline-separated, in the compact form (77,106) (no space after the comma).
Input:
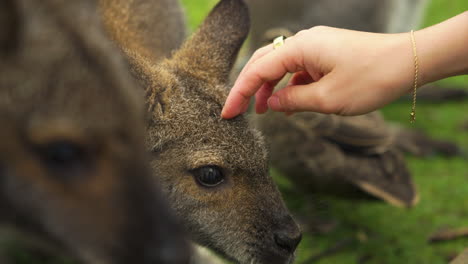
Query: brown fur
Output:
(240,217)
(338,156)
(72,168)
(139,27)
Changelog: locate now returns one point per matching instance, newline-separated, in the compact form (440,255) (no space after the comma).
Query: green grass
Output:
(197,10)
(440,10)
(397,235)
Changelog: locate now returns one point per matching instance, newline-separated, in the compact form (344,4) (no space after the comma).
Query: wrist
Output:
(399,64)
(442,49)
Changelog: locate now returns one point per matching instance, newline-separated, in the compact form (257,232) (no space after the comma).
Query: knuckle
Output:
(261,50)
(323,102)
(319,28)
(288,100)
(301,33)
(298,37)
(257,53)
(257,74)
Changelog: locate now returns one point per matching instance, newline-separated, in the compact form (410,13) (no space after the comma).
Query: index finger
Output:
(270,67)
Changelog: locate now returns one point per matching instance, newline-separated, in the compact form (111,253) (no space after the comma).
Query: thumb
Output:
(314,97)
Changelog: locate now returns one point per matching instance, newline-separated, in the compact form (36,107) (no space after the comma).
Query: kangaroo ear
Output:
(9,27)
(212,50)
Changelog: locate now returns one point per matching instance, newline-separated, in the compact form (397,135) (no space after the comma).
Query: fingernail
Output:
(226,115)
(273,103)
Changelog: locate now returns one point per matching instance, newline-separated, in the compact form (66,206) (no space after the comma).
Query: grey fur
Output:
(73,168)
(185,94)
(366,15)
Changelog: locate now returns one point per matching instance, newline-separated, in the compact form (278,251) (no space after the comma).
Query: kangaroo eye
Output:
(63,155)
(209,176)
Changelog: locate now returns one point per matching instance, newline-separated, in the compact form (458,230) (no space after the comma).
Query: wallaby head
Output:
(72,163)
(214,171)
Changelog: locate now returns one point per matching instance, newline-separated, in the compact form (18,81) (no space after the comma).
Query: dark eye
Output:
(208,176)
(63,155)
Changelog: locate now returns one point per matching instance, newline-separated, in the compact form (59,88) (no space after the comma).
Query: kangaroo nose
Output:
(289,237)
(287,241)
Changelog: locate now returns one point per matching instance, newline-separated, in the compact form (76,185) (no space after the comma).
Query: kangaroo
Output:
(327,148)
(390,16)
(73,171)
(214,171)
(345,157)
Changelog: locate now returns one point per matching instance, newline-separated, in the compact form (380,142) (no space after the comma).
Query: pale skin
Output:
(345,72)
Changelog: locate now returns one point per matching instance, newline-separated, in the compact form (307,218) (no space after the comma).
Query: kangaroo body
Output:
(72,172)
(214,171)
(390,16)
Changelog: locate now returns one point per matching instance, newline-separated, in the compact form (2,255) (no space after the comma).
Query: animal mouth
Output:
(272,257)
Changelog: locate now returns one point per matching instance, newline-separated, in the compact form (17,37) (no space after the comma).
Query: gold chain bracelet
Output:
(416,72)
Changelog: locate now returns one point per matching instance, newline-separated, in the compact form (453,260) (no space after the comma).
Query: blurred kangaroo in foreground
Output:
(73,173)
(214,171)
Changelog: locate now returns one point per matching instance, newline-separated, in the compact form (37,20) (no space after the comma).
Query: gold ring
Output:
(278,42)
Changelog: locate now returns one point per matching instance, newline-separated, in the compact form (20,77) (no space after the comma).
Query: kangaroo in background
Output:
(73,174)
(390,16)
(214,171)
(328,147)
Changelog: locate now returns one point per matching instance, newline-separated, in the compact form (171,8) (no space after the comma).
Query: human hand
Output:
(335,71)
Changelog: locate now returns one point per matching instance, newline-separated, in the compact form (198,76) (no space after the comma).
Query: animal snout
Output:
(288,236)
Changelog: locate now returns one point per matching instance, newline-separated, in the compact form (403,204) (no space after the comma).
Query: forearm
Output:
(443,49)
